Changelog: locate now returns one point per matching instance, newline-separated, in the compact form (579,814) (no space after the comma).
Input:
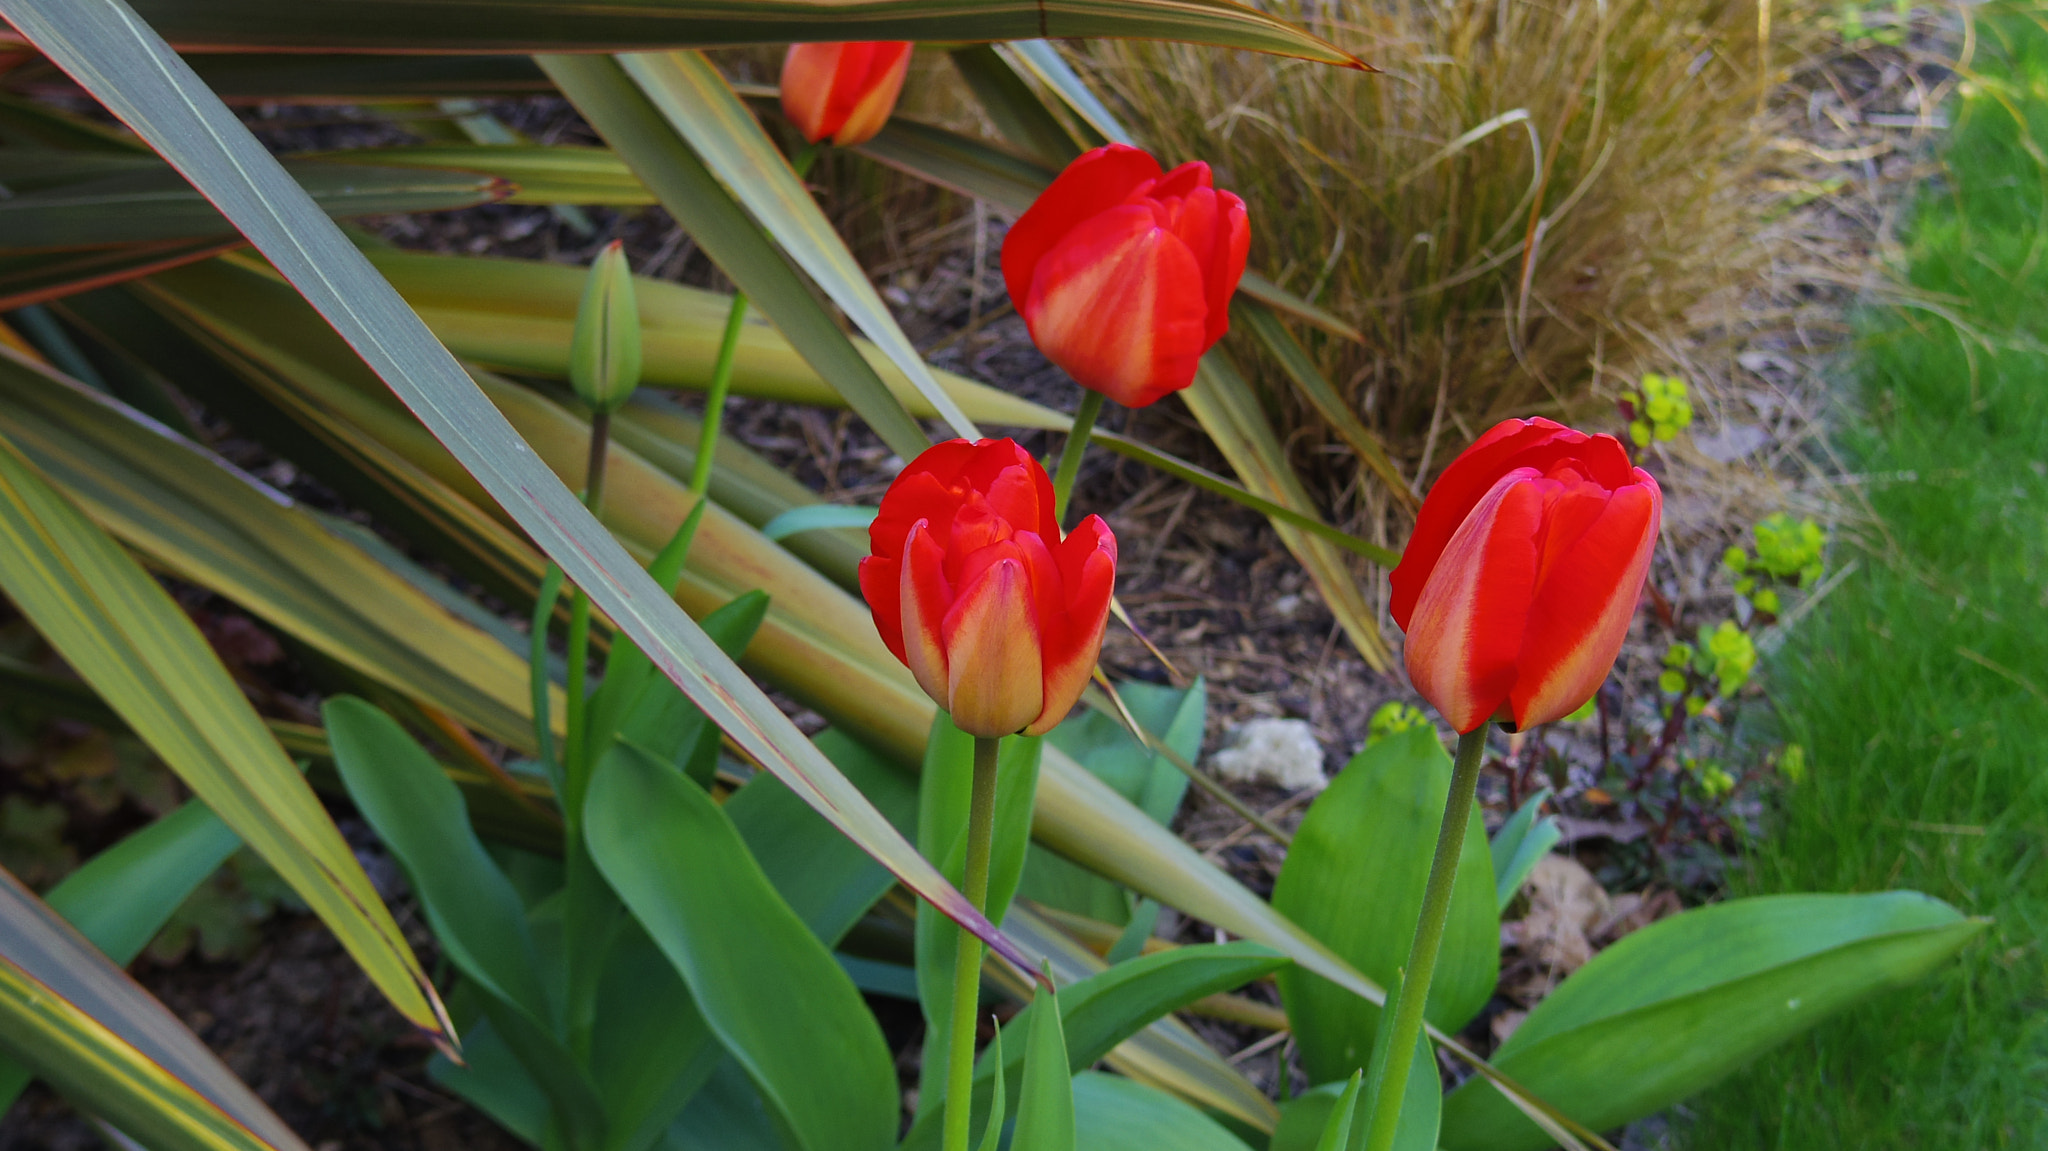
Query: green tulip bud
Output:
(604,354)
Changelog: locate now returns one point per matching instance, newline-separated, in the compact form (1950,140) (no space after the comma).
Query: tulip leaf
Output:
(124,635)
(992,1129)
(1045,1103)
(1333,1117)
(646,138)
(1519,845)
(588,26)
(769,990)
(477,915)
(1688,999)
(817,517)
(1165,1054)
(1354,877)
(491,1079)
(702,107)
(124,895)
(1116,1114)
(1103,1010)
(80,1023)
(1106,748)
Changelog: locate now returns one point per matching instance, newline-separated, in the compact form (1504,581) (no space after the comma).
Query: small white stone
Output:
(1283,752)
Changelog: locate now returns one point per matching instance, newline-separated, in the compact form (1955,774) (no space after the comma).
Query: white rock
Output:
(1283,752)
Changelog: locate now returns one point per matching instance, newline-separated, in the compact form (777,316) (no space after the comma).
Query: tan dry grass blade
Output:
(1527,210)
(1231,414)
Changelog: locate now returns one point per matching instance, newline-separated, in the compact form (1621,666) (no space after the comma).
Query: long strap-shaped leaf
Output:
(703,107)
(108,50)
(125,636)
(407,26)
(81,1023)
(631,123)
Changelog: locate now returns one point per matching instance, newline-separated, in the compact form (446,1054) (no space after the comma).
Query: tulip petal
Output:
(881,584)
(808,72)
(870,96)
(994,683)
(1097,181)
(1537,443)
(1087,565)
(1467,626)
(925,596)
(1118,304)
(1224,266)
(1581,609)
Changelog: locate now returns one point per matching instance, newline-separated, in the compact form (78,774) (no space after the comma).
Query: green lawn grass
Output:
(1919,688)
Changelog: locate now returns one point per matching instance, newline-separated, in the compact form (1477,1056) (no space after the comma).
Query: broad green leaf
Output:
(1236,423)
(642,133)
(1045,1103)
(727,1115)
(1322,395)
(652,1049)
(1519,845)
(703,108)
(517,315)
(541,173)
(588,26)
(1103,1010)
(477,916)
(83,1025)
(1354,878)
(491,1079)
(768,989)
(124,895)
(944,789)
(89,200)
(1165,1054)
(124,635)
(1682,1002)
(1117,1114)
(1332,1117)
(195,515)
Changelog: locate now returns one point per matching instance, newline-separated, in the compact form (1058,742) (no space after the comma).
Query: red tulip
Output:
(844,91)
(974,590)
(1519,583)
(1124,273)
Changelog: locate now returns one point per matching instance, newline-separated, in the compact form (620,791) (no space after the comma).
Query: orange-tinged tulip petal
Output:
(1467,627)
(999,619)
(1123,274)
(844,92)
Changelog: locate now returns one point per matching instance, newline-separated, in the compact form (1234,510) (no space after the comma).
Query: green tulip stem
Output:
(593,467)
(728,351)
(981,826)
(1394,1053)
(1070,455)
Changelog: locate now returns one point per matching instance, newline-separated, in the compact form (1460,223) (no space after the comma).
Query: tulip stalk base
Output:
(1393,1052)
(981,820)
(1071,453)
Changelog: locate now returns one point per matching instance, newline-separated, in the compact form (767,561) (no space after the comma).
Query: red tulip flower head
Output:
(1123,273)
(974,590)
(844,92)
(1519,583)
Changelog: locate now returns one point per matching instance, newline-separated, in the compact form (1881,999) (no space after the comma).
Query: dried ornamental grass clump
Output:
(1532,206)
